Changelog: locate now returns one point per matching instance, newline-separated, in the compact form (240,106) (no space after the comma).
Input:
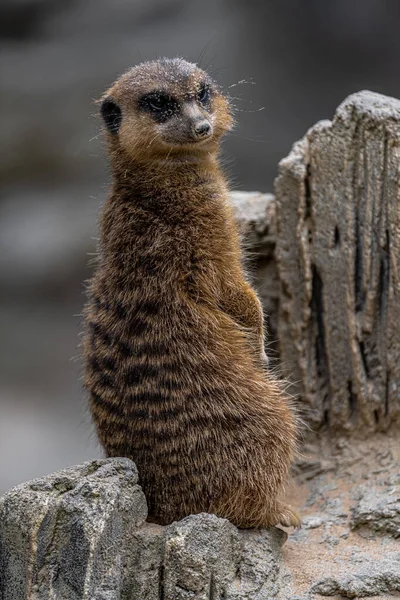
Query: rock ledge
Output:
(82,534)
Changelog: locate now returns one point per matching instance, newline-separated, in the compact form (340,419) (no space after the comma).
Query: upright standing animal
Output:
(173,344)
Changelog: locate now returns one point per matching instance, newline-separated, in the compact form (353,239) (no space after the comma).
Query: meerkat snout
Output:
(199,126)
(202,129)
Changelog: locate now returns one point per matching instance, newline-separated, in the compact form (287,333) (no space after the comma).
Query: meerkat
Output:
(174,342)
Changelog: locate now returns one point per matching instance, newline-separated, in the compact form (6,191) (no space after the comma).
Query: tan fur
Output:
(175,363)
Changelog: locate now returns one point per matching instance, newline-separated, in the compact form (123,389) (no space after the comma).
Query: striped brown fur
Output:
(173,343)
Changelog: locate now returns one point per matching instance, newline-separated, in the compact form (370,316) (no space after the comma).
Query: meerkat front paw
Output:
(288,517)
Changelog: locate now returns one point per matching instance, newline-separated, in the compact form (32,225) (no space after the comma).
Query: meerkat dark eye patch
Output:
(112,115)
(204,95)
(160,105)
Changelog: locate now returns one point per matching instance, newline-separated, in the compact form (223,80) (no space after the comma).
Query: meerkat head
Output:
(167,107)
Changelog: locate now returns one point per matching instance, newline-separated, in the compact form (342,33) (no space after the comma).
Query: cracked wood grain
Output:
(338,238)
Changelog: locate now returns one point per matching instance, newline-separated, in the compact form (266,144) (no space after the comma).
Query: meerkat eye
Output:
(158,102)
(160,105)
(204,95)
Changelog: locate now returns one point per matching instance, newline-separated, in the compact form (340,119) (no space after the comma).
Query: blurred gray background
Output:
(301,58)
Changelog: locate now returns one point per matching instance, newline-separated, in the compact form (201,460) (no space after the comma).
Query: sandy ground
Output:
(331,478)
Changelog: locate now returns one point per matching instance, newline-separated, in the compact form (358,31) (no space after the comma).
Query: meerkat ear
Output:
(112,115)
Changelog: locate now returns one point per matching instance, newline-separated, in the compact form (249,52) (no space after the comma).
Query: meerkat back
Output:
(174,342)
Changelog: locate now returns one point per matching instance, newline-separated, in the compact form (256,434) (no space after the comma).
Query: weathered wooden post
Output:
(338,253)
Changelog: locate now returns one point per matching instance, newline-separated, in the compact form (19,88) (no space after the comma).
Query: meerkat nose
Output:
(202,129)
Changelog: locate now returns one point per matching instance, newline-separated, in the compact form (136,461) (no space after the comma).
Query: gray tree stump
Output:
(338,254)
